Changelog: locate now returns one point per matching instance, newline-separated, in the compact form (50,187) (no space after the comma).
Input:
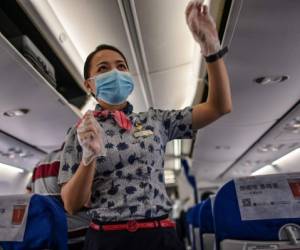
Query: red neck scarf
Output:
(119,116)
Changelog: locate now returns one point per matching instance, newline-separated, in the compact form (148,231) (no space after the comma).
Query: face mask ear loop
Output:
(91,92)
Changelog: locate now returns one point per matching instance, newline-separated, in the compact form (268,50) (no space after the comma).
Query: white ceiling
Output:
(169,50)
(262,41)
(211,155)
(173,88)
(167,40)
(279,137)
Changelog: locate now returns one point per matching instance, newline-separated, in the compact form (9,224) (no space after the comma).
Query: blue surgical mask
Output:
(113,87)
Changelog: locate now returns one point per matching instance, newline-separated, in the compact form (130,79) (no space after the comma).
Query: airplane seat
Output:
(189,223)
(206,226)
(46,226)
(196,224)
(234,233)
(192,220)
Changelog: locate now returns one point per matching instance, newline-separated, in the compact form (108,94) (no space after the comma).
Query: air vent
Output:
(267,80)
(270,148)
(14,153)
(293,126)
(16,112)
(223,147)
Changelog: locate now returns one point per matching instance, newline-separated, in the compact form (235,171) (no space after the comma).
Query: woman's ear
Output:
(88,86)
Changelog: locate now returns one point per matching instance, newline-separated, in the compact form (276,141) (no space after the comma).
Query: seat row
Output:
(257,212)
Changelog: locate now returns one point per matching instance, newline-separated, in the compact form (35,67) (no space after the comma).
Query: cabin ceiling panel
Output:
(167,40)
(263,43)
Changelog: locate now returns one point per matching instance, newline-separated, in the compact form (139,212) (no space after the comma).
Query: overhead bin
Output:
(48,115)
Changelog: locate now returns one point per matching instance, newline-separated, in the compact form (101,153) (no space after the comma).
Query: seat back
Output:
(206,226)
(256,210)
(189,224)
(196,226)
(193,216)
(46,226)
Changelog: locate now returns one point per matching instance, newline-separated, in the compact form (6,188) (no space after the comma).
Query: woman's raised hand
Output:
(203,27)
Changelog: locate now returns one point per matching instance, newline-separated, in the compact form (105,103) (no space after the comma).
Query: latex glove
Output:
(203,27)
(90,137)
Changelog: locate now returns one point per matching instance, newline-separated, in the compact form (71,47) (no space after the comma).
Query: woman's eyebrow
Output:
(102,62)
(119,61)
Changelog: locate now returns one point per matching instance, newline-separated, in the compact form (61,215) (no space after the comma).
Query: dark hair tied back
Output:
(87,64)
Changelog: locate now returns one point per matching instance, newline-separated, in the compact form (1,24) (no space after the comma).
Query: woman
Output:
(114,158)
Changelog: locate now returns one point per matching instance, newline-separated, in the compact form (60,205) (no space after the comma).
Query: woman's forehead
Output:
(106,56)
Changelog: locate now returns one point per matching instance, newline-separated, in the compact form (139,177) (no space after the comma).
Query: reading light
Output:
(16,112)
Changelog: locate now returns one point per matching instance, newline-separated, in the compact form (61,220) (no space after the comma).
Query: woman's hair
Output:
(87,64)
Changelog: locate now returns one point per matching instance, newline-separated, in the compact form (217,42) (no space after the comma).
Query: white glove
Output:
(202,27)
(90,137)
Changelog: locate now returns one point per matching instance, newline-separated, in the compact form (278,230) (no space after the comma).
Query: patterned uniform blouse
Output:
(129,180)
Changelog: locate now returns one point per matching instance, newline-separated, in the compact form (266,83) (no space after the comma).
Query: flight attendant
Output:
(114,158)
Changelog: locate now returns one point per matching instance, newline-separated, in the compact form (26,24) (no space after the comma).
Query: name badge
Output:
(143,133)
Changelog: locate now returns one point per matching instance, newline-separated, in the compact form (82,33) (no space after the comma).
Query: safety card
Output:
(13,216)
(269,196)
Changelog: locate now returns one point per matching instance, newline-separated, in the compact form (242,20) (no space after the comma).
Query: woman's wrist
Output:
(214,57)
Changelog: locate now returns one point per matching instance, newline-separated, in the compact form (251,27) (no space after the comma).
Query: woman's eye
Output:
(122,67)
(102,69)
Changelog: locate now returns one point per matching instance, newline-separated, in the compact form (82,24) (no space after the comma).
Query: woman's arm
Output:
(77,191)
(219,98)
(205,33)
